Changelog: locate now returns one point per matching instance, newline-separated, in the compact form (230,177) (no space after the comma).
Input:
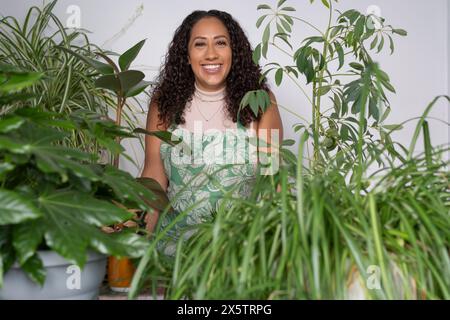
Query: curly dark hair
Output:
(175,84)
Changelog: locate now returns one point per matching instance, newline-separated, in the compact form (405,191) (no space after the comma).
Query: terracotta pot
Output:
(120,274)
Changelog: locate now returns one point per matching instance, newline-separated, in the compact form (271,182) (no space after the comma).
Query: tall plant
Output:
(119,79)
(333,64)
(56,197)
(323,232)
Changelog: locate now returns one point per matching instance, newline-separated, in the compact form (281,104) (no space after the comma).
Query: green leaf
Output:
(129,79)
(340,53)
(393,127)
(265,47)
(288,9)
(380,45)
(16,82)
(286,25)
(288,19)
(138,88)
(16,209)
(34,268)
(10,123)
(279,76)
(72,223)
(280,3)
(356,66)
(385,114)
(262,7)
(126,188)
(374,43)
(359,28)
(391,44)
(165,136)
(257,54)
(260,20)
(109,82)
(373,109)
(266,34)
(323,90)
(326,4)
(26,238)
(400,32)
(130,55)
(101,67)
(84,207)
(160,200)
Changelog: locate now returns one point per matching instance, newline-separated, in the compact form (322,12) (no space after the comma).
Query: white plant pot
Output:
(64,281)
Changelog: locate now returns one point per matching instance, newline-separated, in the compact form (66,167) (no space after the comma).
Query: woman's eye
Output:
(199,44)
(222,43)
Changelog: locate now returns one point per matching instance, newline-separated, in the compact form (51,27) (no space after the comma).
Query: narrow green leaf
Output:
(263,7)
(260,20)
(400,32)
(257,54)
(279,76)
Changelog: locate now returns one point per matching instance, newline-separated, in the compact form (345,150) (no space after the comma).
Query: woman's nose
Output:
(211,52)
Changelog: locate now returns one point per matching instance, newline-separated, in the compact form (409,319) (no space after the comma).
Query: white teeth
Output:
(211,66)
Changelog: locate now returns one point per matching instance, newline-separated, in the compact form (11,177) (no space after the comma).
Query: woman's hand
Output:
(151,219)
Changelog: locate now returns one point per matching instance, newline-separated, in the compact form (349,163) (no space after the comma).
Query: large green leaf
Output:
(50,158)
(15,82)
(10,124)
(15,209)
(161,200)
(72,220)
(34,268)
(128,57)
(138,88)
(124,244)
(126,188)
(110,82)
(27,237)
(84,207)
(129,79)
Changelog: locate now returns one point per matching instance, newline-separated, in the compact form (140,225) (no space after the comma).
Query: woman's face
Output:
(210,53)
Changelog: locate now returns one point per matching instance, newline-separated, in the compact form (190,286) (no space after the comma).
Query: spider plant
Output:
(69,83)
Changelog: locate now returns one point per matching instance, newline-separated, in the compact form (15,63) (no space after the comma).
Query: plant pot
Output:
(64,280)
(120,274)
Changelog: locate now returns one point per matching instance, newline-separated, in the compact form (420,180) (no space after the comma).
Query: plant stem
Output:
(316,106)
(120,103)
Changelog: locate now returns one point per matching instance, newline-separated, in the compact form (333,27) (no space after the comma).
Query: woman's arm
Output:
(153,165)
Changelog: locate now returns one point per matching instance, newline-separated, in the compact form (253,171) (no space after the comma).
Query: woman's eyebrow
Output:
(216,37)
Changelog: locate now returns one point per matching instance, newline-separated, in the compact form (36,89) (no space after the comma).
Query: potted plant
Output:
(68,84)
(335,226)
(55,199)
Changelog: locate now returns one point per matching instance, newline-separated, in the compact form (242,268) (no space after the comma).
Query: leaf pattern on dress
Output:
(190,183)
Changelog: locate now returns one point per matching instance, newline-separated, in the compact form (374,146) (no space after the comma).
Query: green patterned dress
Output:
(197,187)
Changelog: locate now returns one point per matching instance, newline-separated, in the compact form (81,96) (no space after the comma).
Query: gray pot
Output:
(64,280)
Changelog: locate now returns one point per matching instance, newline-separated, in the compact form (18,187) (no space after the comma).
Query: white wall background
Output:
(419,68)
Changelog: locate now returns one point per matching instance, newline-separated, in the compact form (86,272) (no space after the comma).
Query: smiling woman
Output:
(210,54)
(207,72)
